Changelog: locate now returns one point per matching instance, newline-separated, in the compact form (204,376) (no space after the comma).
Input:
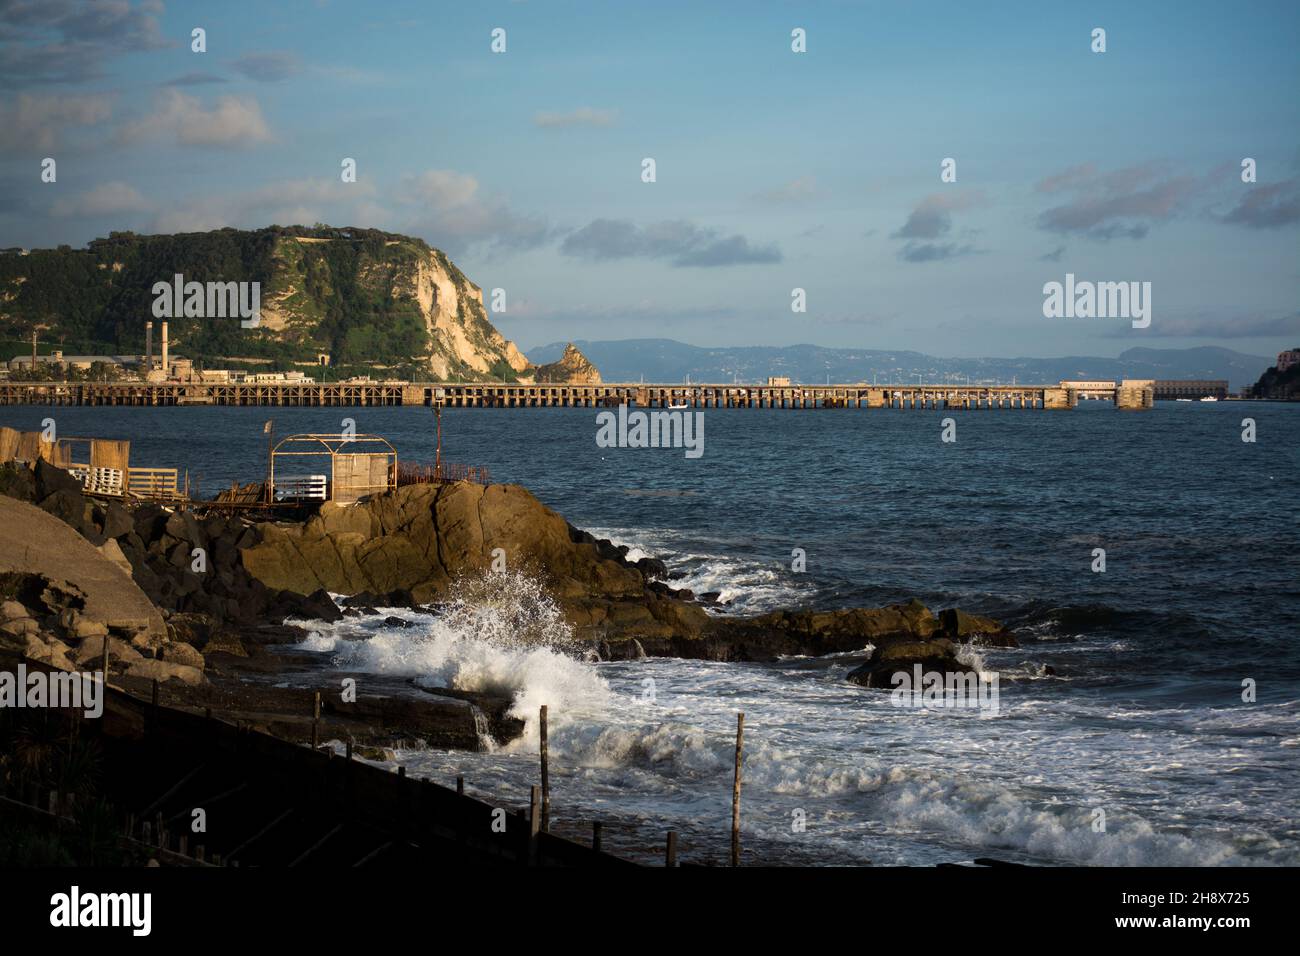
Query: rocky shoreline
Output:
(209,595)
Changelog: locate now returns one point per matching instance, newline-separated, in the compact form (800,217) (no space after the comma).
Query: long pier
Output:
(1128,394)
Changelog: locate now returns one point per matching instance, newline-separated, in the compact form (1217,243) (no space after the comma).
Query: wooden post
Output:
(349,746)
(103,661)
(596,829)
(154,698)
(546,774)
(735,793)
(315,720)
(534,823)
(460,786)
(269,428)
(670,856)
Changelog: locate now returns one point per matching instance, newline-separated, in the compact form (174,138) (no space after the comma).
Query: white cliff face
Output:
(457,321)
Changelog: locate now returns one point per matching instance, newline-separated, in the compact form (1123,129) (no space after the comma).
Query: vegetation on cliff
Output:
(365,297)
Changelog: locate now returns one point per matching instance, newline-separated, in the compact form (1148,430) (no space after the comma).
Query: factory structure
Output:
(161,368)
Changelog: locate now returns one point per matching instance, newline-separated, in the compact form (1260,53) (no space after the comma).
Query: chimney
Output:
(148,345)
(164,347)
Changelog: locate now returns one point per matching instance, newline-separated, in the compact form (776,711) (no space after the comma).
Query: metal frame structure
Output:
(335,445)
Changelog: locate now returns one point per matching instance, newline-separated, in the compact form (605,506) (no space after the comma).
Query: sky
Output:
(775,170)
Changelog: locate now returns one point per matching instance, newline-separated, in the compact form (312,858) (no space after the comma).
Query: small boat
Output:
(1209,398)
(1182,399)
(678,407)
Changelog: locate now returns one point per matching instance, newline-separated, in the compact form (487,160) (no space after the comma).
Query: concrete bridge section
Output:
(1128,394)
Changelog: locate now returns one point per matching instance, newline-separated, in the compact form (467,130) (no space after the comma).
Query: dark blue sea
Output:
(1150,716)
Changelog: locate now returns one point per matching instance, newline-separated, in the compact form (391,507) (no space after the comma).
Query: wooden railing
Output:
(152,482)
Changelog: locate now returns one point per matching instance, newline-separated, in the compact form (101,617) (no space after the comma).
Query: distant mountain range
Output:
(666,360)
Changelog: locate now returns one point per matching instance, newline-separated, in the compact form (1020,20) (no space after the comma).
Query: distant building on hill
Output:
(1287,359)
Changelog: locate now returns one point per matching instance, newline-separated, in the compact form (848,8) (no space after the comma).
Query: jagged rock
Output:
(51,653)
(51,479)
(423,536)
(82,626)
(938,655)
(117,521)
(183,527)
(69,506)
(91,651)
(182,653)
(572,367)
(13,609)
(225,642)
(964,628)
(150,520)
(164,671)
(190,628)
(17,481)
(19,627)
(113,551)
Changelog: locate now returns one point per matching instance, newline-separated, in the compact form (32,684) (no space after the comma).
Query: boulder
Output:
(69,506)
(91,651)
(51,479)
(181,653)
(938,655)
(182,526)
(17,481)
(117,521)
(82,626)
(9,610)
(964,628)
(161,671)
(51,653)
(38,548)
(225,642)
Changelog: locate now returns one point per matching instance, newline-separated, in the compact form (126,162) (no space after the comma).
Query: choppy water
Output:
(1144,720)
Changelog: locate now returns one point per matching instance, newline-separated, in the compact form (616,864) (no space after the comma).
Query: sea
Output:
(1147,562)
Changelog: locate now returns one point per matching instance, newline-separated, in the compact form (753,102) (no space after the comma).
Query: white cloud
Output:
(231,122)
(448,212)
(36,121)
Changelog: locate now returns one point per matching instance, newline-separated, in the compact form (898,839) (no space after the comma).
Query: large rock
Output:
(420,538)
(51,479)
(166,670)
(36,545)
(934,656)
(117,521)
(964,628)
(181,653)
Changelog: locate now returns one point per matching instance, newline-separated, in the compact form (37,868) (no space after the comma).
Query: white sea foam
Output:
(500,634)
(875,781)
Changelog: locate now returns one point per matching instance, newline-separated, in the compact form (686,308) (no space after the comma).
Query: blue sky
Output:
(775,170)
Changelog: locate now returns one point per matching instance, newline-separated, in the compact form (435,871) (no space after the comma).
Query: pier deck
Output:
(1128,395)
